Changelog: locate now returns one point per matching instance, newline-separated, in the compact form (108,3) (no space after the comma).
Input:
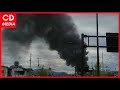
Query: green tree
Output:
(41,72)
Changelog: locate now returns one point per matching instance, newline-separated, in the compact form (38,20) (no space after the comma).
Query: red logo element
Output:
(8,20)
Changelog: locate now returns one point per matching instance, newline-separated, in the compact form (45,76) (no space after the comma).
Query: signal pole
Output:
(98,68)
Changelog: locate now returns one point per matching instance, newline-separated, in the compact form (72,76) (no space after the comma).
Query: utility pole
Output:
(92,68)
(82,54)
(38,62)
(75,70)
(102,63)
(98,68)
(30,59)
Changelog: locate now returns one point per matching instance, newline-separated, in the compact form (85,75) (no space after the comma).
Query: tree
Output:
(102,72)
(79,62)
(41,72)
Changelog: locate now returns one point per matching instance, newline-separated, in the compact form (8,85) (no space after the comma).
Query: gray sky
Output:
(106,23)
(85,23)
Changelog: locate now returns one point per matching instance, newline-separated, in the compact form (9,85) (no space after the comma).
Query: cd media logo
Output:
(8,20)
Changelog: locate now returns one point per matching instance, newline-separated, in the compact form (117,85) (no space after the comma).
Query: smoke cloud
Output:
(58,31)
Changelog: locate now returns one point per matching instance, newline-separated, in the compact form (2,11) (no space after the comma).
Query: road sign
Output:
(112,42)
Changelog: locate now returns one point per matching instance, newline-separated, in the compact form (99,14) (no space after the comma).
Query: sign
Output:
(8,20)
(112,42)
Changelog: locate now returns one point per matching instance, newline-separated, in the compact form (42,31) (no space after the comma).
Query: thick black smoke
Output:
(58,30)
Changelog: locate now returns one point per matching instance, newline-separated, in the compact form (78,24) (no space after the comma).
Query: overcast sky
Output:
(85,23)
(106,23)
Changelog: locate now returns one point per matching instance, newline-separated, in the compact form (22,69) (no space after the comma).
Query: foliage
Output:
(102,72)
(80,63)
(41,72)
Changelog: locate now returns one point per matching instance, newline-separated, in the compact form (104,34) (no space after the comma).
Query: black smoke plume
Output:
(58,30)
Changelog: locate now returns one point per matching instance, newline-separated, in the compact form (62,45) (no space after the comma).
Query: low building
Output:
(114,73)
(29,71)
(5,71)
(18,70)
(59,73)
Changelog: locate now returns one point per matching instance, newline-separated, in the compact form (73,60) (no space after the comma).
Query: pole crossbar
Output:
(100,36)
(103,46)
